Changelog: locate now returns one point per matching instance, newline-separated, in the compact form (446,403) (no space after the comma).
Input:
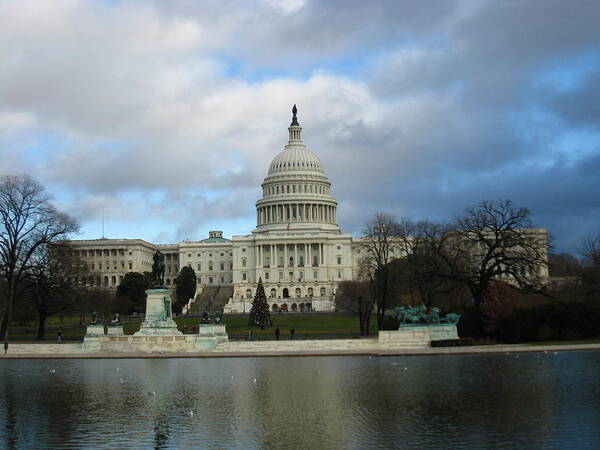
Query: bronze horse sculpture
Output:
(158,269)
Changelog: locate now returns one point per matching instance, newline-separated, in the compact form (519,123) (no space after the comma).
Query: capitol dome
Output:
(296,191)
(296,158)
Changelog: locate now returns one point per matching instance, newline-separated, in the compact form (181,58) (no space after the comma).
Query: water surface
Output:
(455,401)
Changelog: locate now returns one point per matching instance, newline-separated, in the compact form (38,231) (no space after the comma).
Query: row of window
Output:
(267,261)
(293,188)
(106,252)
(290,276)
(211,266)
(285,293)
(199,254)
(93,265)
(206,280)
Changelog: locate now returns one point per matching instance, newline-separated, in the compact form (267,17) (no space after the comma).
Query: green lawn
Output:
(306,326)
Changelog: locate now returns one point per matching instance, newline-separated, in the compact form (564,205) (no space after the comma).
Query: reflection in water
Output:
(334,402)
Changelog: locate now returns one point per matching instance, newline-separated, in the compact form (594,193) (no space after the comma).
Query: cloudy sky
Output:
(166,114)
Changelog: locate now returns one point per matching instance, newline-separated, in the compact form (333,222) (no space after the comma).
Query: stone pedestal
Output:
(443,331)
(115,330)
(159,318)
(92,340)
(406,337)
(417,335)
(95,330)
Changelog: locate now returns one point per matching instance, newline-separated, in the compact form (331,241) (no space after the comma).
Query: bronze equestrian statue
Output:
(158,270)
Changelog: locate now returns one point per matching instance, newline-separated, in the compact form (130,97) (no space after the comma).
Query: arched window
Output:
(248,293)
(323,292)
(310,292)
(298,292)
(273,293)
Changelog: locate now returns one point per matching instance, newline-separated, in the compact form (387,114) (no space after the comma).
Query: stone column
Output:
(308,256)
(295,255)
(285,256)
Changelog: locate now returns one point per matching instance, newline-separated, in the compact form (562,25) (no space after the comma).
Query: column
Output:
(308,256)
(272,250)
(295,255)
(285,257)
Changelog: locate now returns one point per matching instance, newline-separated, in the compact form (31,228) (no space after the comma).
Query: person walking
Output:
(277,333)
(59,336)
(292,334)
(250,334)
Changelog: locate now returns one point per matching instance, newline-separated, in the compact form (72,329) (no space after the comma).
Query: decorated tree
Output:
(259,313)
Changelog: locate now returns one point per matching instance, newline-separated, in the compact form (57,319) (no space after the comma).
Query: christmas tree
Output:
(259,313)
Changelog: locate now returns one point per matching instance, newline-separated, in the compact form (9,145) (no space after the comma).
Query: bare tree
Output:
(357,297)
(55,277)
(494,241)
(27,221)
(589,248)
(379,245)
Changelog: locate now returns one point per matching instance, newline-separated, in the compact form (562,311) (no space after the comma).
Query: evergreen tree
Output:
(133,288)
(259,313)
(186,287)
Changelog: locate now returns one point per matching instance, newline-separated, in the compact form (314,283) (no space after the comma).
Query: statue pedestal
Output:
(92,340)
(417,335)
(159,318)
(95,330)
(115,330)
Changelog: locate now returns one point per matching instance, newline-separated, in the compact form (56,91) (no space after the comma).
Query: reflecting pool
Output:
(507,400)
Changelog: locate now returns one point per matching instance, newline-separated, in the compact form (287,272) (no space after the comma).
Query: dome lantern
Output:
(295,129)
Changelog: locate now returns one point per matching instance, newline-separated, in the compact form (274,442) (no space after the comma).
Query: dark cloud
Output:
(173,110)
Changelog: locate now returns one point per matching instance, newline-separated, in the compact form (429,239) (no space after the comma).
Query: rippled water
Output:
(527,400)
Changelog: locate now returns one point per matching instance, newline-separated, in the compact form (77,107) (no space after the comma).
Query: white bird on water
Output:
(254,381)
(52,370)
(191,413)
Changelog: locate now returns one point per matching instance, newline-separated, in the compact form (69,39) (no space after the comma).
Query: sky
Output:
(163,116)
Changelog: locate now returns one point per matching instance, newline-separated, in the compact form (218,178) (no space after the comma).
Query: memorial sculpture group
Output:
(415,315)
(420,326)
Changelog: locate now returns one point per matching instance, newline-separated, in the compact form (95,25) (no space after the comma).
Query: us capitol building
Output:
(297,248)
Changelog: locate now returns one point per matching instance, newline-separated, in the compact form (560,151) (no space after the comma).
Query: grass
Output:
(306,326)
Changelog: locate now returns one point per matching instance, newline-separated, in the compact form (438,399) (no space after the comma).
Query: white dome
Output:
(296,158)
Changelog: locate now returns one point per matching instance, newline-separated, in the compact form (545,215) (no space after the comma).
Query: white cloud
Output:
(406,104)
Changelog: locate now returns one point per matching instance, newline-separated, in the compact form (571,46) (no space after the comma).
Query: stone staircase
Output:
(211,299)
